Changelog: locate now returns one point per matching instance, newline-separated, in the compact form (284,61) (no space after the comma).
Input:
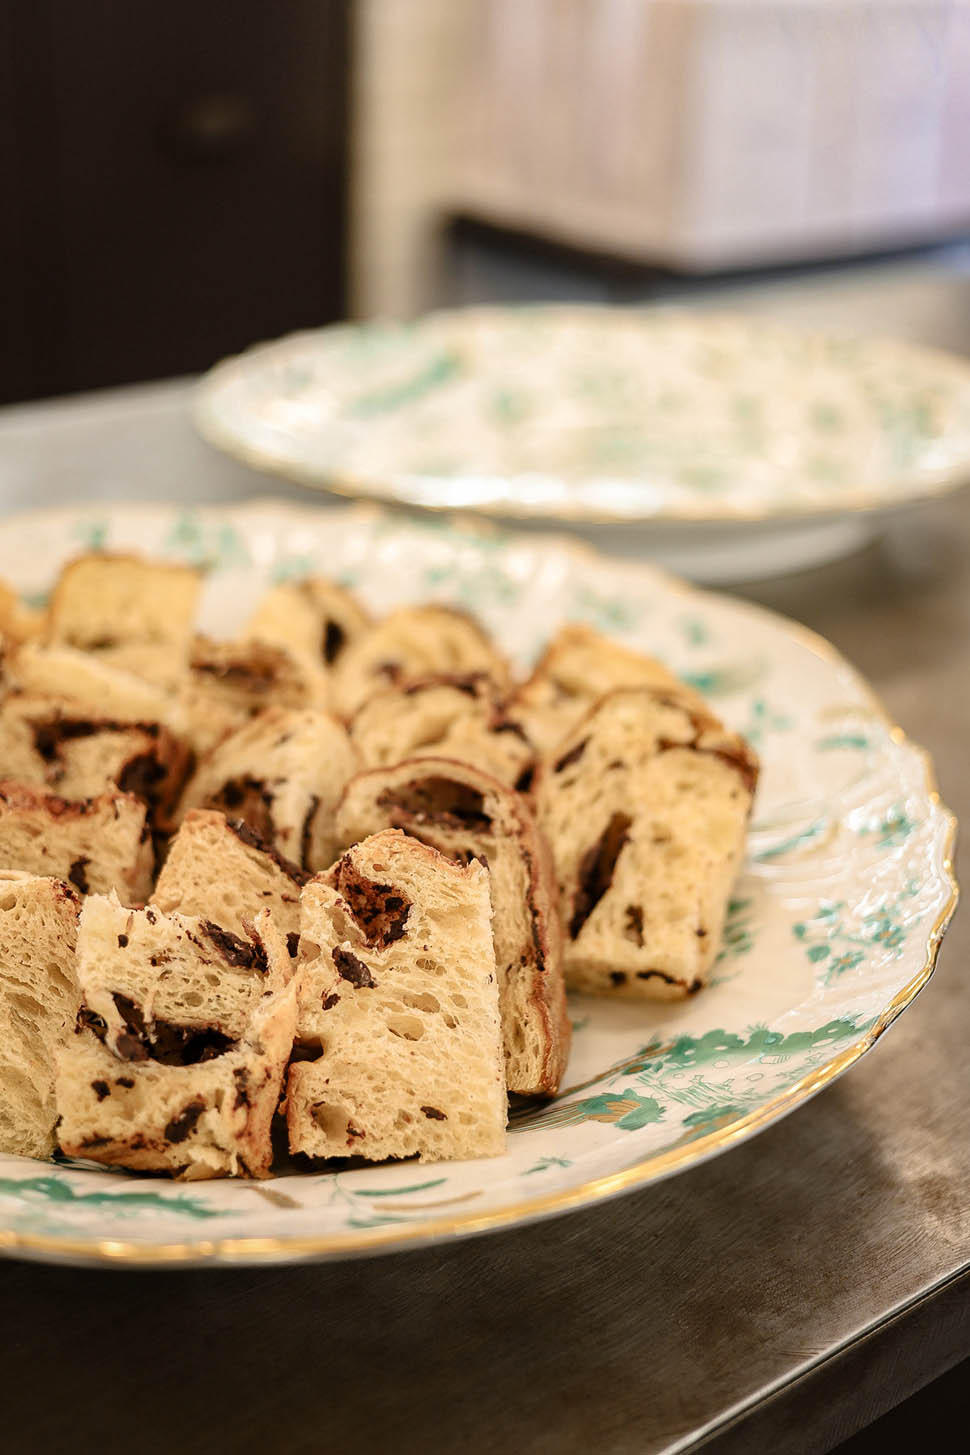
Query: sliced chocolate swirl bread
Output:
(443,716)
(99,844)
(399,1047)
(219,869)
(282,773)
(646,807)
(181,1043)
(469,815)
(412,642)
(39,1000)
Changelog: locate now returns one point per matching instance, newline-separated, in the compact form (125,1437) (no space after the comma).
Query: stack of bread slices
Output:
(324,886)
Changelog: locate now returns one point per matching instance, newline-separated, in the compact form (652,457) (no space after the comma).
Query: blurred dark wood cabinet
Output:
(172,183)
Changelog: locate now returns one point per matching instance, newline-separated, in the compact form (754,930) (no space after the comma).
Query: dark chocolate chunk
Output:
(334,640)
(247,799)
(306,832)
(618,977)
(101,1089)
(141,776)
(49,735)
(255,672)
(433,1114)
(524,781)
(380,910)
(122,942)
(241,1077)
(77,875)
(241,954)
(182,1123)
(247,835)
(633,928)
(125,1081)
(329,1001)
(87,1020)
(293,942)
(165,1042)
(573,756)
(443,801)
(596,870)
(354,970)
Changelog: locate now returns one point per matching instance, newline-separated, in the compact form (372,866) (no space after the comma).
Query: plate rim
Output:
(913,490)
(271,1250)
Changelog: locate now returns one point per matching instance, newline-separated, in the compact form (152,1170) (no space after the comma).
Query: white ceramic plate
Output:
(694,424)
(833,928)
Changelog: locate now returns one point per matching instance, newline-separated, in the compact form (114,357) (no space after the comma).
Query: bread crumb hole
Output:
(406,1026)
(419,1001)
(308,949)
(8,901)
(193,997)
(332,1120)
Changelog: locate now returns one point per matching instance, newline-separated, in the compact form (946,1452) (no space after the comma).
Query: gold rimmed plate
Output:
(833,927)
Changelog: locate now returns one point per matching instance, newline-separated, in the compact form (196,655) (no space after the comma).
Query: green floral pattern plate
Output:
(599,414)
(833,928)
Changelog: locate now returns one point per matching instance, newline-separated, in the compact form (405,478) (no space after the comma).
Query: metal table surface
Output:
(780,1297)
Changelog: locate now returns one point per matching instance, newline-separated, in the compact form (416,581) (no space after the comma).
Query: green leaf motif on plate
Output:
(843,740)
(55,1190)
(737,939)
(625,1109)
(436,373)
(660,1058)
(215,546)
(723,680)
(605,613)
(836,943)
(92,535)
(764,719)
(891,829)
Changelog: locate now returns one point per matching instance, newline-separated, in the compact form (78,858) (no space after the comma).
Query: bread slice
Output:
(81,680)
(468,815)
(410,643)
(282,773)
(39,1000)
(578,666)
(218,869)
(444,717)
(229,682)
(78,755)
(314,620)
(181,1043)
(134,613)
(99,844)
(646,809)
(399,1005)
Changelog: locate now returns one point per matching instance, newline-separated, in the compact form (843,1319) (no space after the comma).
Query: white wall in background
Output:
(402,141)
